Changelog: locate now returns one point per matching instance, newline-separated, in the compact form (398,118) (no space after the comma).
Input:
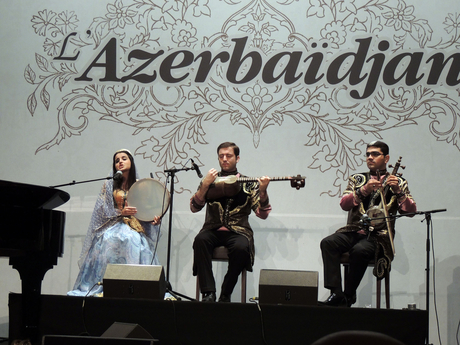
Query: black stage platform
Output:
(184,322)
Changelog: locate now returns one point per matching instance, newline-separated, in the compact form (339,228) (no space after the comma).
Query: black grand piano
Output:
(32,236)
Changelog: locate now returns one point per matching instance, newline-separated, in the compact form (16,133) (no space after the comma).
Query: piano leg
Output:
(31,270)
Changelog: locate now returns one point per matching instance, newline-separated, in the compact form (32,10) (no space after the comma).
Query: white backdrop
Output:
(313,130)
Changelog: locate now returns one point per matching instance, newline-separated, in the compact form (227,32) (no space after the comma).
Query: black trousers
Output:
(361,252)
(238,253)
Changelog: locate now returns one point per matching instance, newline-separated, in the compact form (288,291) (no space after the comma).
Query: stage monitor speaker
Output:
(288,287)
(126,330)
(134,281)
(77,340)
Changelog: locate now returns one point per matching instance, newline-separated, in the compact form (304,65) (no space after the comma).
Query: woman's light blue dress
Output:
(110,240)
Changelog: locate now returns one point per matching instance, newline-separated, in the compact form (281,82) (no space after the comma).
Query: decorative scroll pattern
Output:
(185,115)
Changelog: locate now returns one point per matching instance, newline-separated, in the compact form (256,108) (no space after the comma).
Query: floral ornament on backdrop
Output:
(172,122)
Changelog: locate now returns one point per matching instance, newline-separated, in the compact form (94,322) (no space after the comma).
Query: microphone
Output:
(118,175)
(196,168)
(365,220)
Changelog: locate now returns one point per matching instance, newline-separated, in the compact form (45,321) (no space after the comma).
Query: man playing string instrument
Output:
(227,224)
(363,193)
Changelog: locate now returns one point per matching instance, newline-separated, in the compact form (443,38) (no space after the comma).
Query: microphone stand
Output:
(171,173)
(73,182)
(428,224)
(428,245)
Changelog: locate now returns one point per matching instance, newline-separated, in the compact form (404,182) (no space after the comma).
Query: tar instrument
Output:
(150,197)
(228,186)
(376,211)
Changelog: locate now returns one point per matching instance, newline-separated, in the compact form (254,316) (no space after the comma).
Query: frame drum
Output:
(150,197)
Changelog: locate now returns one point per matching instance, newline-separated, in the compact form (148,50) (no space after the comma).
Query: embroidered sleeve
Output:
(196,204)
(405,200)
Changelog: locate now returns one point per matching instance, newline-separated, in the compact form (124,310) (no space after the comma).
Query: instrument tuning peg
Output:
(298,182)
(399,174)
(401,166)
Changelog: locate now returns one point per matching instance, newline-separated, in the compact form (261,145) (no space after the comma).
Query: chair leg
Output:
(243,286)
(345,263)
(345,275)
(387,290)
(379,291)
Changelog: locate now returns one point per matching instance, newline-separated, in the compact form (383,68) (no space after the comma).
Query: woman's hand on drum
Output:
(128,210)
(156,220)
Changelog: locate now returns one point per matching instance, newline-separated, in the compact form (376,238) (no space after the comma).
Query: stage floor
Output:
(185,322)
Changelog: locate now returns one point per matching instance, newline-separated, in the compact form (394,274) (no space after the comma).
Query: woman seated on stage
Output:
(114,235)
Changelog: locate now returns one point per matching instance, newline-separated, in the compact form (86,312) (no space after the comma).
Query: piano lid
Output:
(15,194)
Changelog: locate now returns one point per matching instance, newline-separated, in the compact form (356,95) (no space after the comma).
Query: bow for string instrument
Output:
(228,186)
(383,205)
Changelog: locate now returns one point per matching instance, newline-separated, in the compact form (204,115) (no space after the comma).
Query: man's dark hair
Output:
(236,149)
(381,145)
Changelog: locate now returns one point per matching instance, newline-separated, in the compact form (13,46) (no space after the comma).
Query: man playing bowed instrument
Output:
(361,194)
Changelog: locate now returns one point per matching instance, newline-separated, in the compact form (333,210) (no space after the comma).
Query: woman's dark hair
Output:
(132,171)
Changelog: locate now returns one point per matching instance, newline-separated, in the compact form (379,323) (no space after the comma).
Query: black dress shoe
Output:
(335,300)
(209,297)
(351,300)
(224,298)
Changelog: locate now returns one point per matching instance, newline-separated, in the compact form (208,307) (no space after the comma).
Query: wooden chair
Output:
(345,261)
(221,254)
